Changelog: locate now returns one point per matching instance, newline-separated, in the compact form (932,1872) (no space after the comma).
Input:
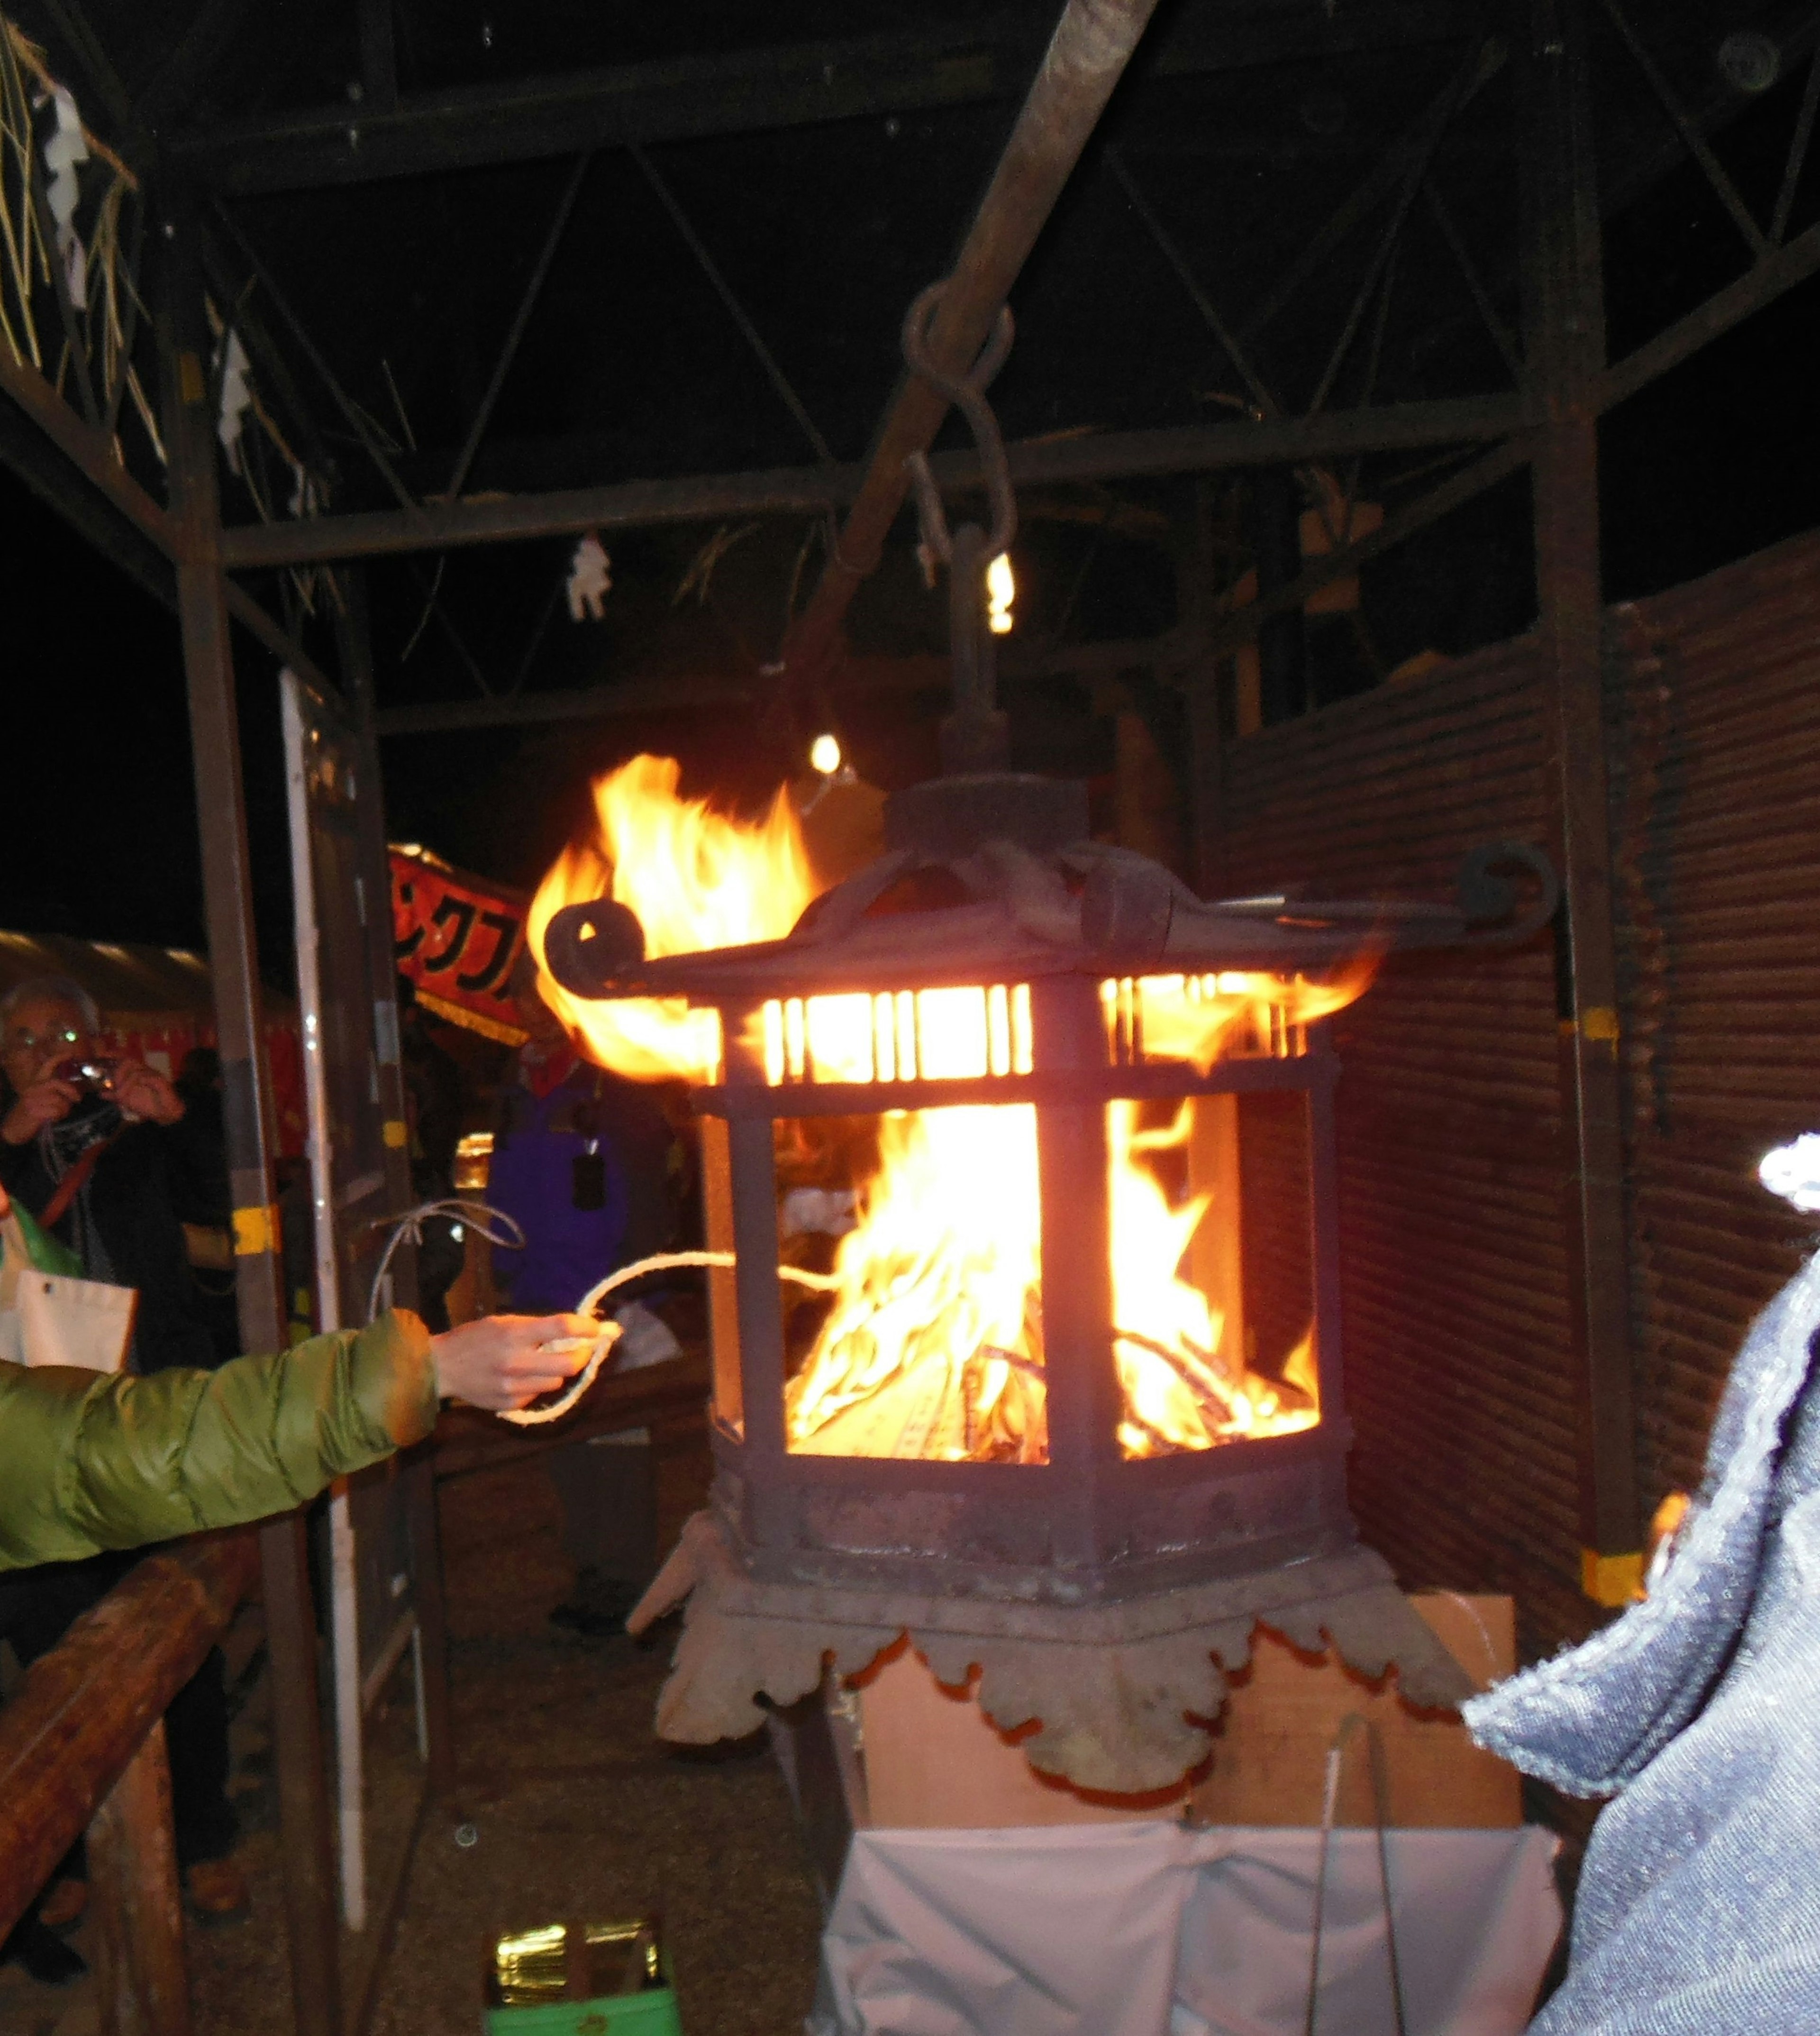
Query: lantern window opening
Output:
(933,1348)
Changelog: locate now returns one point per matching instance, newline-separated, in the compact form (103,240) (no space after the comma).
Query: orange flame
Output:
(696,879)
(932,1346)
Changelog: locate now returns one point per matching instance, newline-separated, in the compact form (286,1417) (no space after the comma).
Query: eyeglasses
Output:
(26,1041)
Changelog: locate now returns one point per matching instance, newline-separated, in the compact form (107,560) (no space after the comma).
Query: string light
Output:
(825,755)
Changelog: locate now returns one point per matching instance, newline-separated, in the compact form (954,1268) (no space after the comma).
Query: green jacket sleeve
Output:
(90,1461)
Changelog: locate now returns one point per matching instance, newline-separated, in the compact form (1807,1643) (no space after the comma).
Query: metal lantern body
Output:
(1092,1523)
(1093,1583)
(991,889)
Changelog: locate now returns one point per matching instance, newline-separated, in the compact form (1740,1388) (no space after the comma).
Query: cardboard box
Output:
(932,1761)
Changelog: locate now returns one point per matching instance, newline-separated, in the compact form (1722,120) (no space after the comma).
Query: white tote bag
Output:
(84,1322)
(46,1318)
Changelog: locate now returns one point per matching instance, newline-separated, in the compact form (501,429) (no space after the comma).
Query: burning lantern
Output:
(1078,1383)
(1067,1408)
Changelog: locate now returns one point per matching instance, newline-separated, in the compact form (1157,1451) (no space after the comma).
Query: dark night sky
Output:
(1713,462)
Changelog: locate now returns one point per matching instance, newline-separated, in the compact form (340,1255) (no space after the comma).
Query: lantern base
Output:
(1115,1686)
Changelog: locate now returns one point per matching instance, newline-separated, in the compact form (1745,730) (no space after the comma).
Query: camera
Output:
(91,1075)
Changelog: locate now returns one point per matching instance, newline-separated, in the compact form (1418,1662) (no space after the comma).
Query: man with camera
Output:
(82,1146)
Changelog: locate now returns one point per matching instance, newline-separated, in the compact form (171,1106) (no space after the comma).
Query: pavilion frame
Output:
(180,552)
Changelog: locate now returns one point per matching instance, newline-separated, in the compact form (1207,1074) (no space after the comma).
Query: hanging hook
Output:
(968,396)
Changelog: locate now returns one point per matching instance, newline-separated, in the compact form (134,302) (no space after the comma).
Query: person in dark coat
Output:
(84,1145)
(583,1162)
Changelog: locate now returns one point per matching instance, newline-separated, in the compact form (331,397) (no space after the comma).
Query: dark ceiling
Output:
(826,160)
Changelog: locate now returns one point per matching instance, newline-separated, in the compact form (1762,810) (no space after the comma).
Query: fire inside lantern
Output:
(932,1346)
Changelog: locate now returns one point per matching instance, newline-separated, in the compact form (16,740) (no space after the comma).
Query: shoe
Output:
(42,1953)
(64,1904)
(217,1892)
(598,1609)
(589,1623)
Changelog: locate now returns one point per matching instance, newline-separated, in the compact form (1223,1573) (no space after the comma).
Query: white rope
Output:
(477,1216)
(598,1347)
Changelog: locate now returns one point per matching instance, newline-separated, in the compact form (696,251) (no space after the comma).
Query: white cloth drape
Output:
(1154,1929)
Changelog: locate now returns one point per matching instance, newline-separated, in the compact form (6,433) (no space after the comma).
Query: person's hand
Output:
(504,1361)
(143,1092)
(47,1101)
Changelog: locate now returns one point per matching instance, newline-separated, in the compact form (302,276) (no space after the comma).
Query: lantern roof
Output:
(995,878)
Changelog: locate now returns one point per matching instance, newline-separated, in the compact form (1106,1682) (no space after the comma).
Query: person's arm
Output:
(92,1461)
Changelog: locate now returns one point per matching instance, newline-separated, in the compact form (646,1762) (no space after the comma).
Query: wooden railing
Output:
(82,1748)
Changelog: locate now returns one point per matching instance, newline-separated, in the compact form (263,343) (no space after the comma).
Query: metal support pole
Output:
(227,880)
(1085,59)
(1565,316)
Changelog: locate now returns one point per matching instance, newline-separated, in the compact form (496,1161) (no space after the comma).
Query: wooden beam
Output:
(810,490)
(750,91)
(86,1706)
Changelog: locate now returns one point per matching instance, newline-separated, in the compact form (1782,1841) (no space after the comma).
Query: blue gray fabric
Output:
(1699,1904)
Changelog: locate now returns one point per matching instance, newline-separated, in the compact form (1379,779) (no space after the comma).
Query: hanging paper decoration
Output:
(590,577)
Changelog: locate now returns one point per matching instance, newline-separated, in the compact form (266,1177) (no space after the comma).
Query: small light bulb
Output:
(825,755)
(1001,591)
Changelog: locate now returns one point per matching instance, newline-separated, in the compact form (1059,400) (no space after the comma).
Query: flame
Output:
(1199,1019)
(696,879)
(1184,1388)
(1000,592)
(932,1345)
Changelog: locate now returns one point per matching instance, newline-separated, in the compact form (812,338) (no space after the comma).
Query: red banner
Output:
(456,938)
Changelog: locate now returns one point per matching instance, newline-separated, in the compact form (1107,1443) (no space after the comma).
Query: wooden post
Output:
(144,1981)
(227,885)
(1565,321)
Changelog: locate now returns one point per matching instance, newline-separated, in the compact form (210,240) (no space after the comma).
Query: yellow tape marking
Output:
(394,1133)
(255,1230)
(1610,1580)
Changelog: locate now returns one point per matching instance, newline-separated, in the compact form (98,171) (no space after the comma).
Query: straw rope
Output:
(600,1347)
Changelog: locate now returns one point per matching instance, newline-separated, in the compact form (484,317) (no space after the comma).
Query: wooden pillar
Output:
(233,958)
(1564,314)
(144,1983)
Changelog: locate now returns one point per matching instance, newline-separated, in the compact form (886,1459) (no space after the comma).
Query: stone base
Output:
(1114,1686)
